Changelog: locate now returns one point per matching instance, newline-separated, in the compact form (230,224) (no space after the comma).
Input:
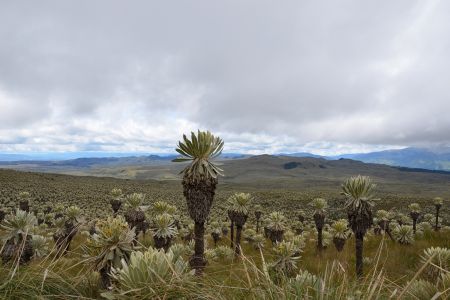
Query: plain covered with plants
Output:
(122,241)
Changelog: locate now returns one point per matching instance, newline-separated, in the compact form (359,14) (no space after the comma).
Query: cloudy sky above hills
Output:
(268,76)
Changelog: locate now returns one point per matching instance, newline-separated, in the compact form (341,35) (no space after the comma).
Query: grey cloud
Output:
(103,73)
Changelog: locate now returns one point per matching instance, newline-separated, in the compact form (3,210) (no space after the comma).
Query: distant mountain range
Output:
(433,159)
(256,170)
(419,158)
(302,154)
(57,156)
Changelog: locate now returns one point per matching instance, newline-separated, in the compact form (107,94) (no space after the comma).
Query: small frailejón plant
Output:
(414,213)
(116,201)
(187,232)
(134,215)
(384,218)
(276,226)
(319,205)
(24,201)
(49,219)
(221,253)
(298,227)
(340,233)
(112,243)
(424,227)
(249,234)
(67,228)
(238,208)
(299,242)
(306,283)
(359,192)
(438,202)
(151,274)
(39,244)
(73,214)
(258,241)
(403,234)
(180,250)
(40,217)
(161,207)
(286,256)
(59,211)
(437,260)
(424,290)
(200,179)
(216,231)
(401,218)
(225,228)
(430,218)
(18,229)
(164,230)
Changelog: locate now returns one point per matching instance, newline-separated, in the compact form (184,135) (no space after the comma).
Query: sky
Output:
(327,77)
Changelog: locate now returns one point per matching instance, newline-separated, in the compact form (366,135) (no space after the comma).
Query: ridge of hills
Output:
(437,158)
(255,170)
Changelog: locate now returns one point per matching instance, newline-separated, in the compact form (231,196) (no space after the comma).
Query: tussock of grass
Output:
(392,267)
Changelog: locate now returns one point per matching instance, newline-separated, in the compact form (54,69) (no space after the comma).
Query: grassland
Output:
(389,265)
(274,190)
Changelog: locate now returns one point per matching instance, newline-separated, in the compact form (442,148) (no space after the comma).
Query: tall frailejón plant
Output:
(438,201)
(238,210)
(18,246)
(230,216)
(319,205)
(113,244)
(258,214)
(116,201)
(359,192)
(200,178)
(414,212)
(67,228)
(164,230)
(134,215)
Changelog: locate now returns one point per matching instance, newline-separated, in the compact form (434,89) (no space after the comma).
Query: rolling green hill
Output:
(253,170)
(272,177)
(284,183)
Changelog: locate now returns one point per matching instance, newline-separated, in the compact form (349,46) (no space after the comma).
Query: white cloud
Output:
(317,76)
